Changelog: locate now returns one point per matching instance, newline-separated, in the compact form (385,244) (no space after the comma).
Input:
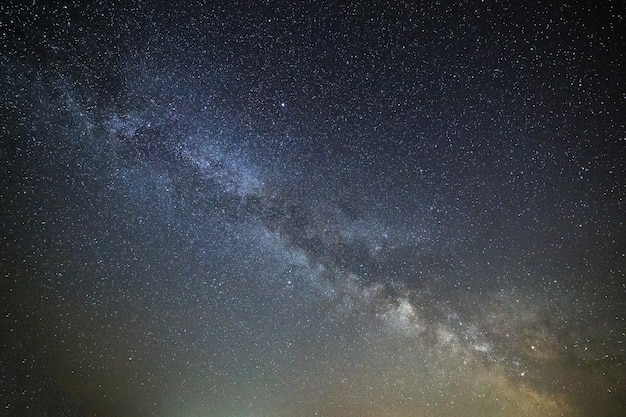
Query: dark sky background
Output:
(312,209)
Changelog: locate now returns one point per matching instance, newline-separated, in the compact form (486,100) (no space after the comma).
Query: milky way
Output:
(329,209)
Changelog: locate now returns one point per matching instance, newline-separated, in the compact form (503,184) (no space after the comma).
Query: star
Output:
(314,210)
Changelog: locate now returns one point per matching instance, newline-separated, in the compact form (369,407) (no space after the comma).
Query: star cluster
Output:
(316,209)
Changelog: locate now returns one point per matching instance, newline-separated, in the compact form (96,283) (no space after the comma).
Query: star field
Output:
(318,209)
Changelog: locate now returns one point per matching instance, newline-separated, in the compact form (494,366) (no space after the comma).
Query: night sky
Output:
(267,209)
